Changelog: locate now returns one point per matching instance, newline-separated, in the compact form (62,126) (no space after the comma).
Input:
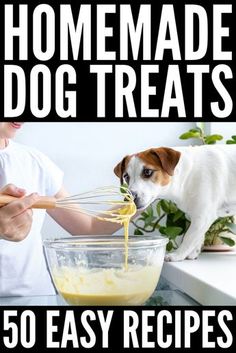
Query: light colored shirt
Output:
(23,268)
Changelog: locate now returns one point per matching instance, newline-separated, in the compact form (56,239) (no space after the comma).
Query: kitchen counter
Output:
(160,297)
(209,280)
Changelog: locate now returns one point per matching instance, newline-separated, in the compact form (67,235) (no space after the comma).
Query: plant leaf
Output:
(178,215)
(144,215)
(141,219)
(173,208)
(162,230)
(210,143)
(228,241)
(211,139)
(158,208)
(148,221)
(165,206)
(189,135)
(149,211)
(231,142)
(138,232)
(181,222)
(169,246)
(216,137)
(197,129)
(171,232)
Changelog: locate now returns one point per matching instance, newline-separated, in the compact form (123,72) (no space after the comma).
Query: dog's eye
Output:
(126,178)
(147,173)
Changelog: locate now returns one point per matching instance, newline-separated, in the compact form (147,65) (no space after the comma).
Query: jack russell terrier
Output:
(201,180)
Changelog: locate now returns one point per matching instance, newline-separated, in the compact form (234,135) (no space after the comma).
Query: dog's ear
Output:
(120,168)
(168,158)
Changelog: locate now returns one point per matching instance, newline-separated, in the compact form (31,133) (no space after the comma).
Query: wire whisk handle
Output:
(44,202)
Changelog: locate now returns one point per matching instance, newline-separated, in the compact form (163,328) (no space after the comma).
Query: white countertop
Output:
(210,280)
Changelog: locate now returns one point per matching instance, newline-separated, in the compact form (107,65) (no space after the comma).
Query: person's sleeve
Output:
(53,176)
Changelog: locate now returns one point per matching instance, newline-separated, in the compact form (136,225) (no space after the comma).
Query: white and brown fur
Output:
(200,180)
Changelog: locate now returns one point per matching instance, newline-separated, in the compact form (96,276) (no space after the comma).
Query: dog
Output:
(201,180)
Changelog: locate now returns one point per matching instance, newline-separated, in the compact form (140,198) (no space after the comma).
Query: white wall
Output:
(88,152)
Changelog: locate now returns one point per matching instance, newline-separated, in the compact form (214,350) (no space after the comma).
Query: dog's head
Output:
(147,173)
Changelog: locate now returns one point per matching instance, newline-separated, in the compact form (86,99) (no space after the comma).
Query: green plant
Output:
(221,225)
(171,222)
(198,133)
(164,217)
(232,141)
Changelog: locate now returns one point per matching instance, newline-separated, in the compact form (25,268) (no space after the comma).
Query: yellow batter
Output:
(122,215)
(107,286)
(129,210)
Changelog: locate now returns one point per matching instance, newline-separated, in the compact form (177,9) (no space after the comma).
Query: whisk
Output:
(118,199)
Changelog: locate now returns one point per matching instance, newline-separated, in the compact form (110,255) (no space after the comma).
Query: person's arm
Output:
(77,223)
(16,217)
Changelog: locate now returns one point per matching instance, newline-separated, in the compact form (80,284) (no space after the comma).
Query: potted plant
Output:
(165,217)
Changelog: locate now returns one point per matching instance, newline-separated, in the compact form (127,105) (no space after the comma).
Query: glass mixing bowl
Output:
(95,270)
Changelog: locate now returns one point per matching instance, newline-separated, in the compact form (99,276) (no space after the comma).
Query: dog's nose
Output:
(134,194)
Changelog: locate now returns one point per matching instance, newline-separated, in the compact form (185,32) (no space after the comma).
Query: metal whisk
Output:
(115,203)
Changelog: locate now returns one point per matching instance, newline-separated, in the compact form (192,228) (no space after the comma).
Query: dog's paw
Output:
(194,254)
(174,256)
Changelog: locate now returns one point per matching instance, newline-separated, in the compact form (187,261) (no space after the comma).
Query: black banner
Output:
(104,61)
(118,329)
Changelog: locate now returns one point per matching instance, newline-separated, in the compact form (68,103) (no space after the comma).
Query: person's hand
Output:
(16,217)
